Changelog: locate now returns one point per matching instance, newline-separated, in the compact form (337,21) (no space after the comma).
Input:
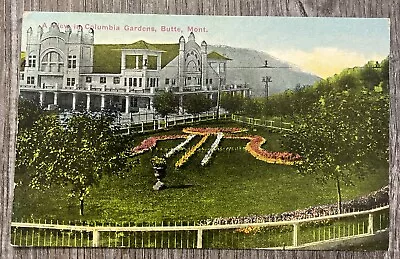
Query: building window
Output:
(116,80)
(189,78)
(199,81)
(125,81)
(130,81)
(135,81)
(173,81)
(32,61)
(140,82)
(103,80)
(72,61)
(22,76)
(52,62)
(210,81)
(88,79)
(167,81)
(70,81)
(206,81)
(30,80)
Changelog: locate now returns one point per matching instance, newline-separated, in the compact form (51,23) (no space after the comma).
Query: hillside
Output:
(246,66)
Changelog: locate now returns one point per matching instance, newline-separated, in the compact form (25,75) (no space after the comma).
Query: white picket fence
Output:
(153,123)
(279,234)
(279,125)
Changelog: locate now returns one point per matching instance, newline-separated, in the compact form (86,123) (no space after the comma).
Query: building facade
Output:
(66,69)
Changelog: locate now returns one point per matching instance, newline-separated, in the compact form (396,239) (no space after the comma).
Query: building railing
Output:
(278,235)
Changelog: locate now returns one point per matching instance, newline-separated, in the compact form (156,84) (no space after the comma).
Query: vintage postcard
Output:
(165,131)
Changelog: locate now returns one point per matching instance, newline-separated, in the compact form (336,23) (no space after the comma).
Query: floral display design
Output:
(180,146)
(151,142)
(214,146)
(253,146)
(191,151)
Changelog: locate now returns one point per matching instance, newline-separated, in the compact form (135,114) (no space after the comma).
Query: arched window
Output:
(52,62)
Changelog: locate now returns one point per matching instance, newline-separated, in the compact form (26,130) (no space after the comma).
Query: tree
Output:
(197,103)
(28,113)
(165,103)
(232,103)
(76,155)
(340,135)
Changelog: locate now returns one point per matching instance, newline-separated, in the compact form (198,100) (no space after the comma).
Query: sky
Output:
(322,46)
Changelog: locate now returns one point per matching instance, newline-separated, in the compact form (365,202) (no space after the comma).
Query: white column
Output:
(55,98)
(123,61)
(137,62)
(127,103)
(41,98)
(73,101)
(103,101)
(88,102)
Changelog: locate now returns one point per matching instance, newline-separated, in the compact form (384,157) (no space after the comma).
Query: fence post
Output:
(96,238)
(199,238)
(142,126)
(370,223)
(295,234)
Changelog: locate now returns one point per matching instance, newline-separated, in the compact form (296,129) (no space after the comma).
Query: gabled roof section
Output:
(107,57)
(141,44)
(216,55)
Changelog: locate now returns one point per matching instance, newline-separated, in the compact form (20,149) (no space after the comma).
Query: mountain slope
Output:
(246,66)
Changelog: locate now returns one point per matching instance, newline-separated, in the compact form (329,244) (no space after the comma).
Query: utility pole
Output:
(266,79)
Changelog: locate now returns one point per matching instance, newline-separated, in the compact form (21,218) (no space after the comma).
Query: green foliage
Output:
(340,137)
(197,103)
(165,103)
(28,113)
(232,103)
(76,155)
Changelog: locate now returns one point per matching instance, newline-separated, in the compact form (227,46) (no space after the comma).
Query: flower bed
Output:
(254,148)
(189,153)
(374,199)
(180,146)
(204,131)
(151,142)
(214,146)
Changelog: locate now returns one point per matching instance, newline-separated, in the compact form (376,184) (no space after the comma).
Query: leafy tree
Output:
(165,103)
(197,103)
(76,155)
(28,113)
(340,135)
(232,103)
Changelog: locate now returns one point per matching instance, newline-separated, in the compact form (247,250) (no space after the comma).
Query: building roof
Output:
(107,57)
(217,56)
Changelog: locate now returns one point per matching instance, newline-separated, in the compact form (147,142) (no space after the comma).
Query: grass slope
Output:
(233,184)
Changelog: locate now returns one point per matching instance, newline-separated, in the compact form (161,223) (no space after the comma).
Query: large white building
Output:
(66,69)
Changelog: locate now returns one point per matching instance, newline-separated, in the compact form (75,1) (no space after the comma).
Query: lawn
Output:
(233,184)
